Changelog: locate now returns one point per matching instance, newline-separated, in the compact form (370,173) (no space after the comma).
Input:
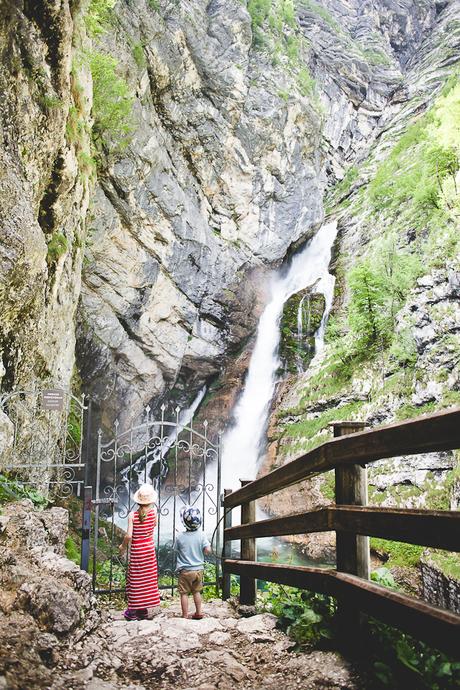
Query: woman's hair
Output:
(143,511)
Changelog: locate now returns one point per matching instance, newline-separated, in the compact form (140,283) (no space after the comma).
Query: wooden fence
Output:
(353,521)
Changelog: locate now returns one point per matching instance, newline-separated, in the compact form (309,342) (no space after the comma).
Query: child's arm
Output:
(206,546)
(128,536)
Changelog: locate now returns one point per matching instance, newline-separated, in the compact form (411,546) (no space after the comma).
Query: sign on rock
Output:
(53,399)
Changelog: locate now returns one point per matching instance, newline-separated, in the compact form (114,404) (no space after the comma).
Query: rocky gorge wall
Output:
(221,175)
(44,194)
(398,220)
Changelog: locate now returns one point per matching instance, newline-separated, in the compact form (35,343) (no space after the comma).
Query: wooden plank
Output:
(300,523)
(433,625)
(439,529)
(352,550)
(248,585)
(430,433)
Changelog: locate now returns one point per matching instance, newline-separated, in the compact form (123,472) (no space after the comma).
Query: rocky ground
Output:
(54,634)
(221,651)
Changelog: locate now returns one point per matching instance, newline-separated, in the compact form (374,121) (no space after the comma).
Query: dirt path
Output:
(222,651)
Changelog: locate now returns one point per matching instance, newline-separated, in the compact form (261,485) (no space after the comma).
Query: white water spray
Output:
(242,443)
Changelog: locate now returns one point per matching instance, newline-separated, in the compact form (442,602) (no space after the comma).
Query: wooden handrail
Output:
(439,529)
(406,613)
(436,432)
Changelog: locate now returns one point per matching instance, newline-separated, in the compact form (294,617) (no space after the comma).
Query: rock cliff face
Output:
(43,192)
(221,176)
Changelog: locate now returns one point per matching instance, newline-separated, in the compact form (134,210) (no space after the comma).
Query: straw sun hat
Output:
(145,495)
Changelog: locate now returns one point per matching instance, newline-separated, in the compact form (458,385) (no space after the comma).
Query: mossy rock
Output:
(296,352)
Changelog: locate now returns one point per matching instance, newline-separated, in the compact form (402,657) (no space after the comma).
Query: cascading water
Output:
(242,443)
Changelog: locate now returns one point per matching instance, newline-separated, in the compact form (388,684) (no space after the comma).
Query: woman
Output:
(142,582)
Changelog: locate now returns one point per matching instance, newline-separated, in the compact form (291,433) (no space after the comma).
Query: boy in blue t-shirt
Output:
(190,548)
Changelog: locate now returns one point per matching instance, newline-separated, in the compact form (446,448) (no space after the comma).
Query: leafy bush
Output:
(112,572)
(399,661)
(383,576)
(112,102)
(304,616)
(98,16)
(12,489)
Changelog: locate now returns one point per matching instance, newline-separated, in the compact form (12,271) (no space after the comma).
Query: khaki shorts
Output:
(190,581)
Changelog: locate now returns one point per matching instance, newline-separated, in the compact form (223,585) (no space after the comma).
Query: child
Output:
(190,547)
(142,582)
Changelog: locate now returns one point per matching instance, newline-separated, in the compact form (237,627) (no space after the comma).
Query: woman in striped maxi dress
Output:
(142,581)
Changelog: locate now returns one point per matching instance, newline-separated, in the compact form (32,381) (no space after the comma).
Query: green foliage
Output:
(305,81)
(422,166)
(310,427)
(408,410)
(375,57)
(112,102)
(139,55)
(154,5)
(406,555)
(50,102)
(398,661)
(274,24)
(111,573)
(57,247)
(72,550)
(74,426)
(383,576)
(304,616)
(98,15)
(328,485)
(378,286)
(12,489)
(321,12)
(448,562)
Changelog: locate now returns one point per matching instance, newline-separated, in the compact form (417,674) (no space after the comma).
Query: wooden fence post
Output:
(248,552)
(352,550)
(226,549)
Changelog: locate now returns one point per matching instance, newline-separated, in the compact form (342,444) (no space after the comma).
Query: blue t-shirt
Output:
(189,550)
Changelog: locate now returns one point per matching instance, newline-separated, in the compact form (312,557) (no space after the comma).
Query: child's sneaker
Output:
(141,614)
(130,615)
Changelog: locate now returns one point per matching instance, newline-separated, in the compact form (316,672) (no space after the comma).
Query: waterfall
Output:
(242,443)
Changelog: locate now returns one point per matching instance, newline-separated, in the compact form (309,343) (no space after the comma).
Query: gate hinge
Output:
(104,501)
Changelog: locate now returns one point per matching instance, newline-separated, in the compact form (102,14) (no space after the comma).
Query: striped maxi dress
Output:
(142,582)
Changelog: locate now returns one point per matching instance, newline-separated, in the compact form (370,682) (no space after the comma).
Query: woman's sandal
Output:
(195,617)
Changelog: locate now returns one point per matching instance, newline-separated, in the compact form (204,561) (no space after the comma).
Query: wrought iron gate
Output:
(43,440)
(183,464)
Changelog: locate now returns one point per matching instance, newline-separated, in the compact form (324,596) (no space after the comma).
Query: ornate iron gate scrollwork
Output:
(44,440)
(181,461)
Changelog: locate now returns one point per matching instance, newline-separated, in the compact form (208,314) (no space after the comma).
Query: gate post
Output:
(226,549)
(352,550)
(248,552)
(86,527)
